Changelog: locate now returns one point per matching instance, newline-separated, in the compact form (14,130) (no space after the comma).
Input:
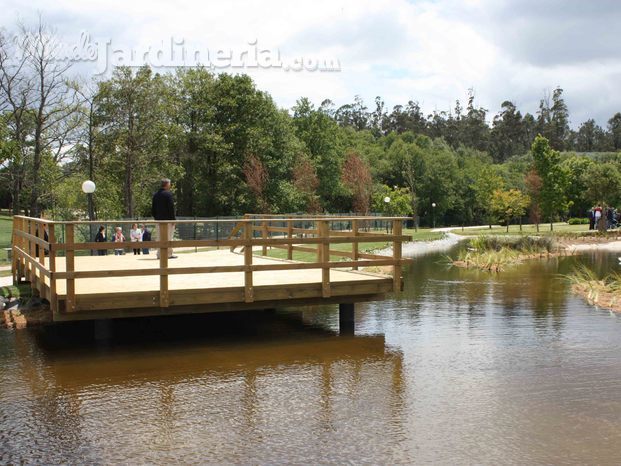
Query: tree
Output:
(37,88)
(131,117)
(321,136)
(508,135)
(509,204)
(256,179)
(306,182)
(614,128)
(552,196)
(486,183)
(602,183)
(553,120)
(357,178)
(399,201)
(533,185)
(577,183)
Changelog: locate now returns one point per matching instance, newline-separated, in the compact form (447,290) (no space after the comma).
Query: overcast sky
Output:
(428,51)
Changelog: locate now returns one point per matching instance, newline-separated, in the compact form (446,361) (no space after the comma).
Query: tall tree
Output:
(614,128)
(508,135)
(357,178)
(547,163)
(131,117)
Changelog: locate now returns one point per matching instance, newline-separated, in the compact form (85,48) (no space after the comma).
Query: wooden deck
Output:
(95,287)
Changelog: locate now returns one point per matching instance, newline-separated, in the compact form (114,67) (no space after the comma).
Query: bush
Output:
(578,221)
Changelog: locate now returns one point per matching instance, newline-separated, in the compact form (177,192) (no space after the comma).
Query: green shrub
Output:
(578,221)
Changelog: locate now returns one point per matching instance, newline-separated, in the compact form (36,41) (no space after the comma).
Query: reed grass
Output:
(494,253)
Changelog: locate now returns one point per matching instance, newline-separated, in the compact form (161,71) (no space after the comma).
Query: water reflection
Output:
(463,367)
(287,390)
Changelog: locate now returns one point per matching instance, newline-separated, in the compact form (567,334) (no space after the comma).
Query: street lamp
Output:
(387,202)
(433,212)
(88,188)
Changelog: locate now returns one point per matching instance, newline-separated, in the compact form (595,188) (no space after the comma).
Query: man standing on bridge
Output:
(163,208)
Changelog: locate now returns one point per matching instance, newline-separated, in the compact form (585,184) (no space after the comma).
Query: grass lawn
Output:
(544,229)
(6,232)
(423,234)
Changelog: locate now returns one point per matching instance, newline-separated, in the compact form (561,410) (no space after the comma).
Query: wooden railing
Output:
(38,243)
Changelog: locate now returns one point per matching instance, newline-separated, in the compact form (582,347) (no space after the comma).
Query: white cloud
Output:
(428,51)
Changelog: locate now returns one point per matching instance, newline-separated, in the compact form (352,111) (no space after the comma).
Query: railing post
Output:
(248,285)
(21,242)
(290,236)
(354,246)
(324,254)
(70,267)
(14,255)
(264,236)
(397,230)
(41,235)
(32,252)
(164,234)
(52,259)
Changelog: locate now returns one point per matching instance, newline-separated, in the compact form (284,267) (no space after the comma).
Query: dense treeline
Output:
(229,149)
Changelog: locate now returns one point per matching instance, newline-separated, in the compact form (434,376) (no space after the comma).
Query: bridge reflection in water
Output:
(274,386)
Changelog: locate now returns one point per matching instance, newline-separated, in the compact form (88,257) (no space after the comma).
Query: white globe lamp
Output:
(88,187)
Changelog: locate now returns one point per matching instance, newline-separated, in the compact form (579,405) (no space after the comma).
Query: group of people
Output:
(162,208)
(603,218)
(137,234)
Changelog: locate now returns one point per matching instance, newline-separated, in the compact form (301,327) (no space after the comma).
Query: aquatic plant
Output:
(494,253)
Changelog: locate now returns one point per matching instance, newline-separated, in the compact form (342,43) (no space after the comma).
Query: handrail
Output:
(44,221)
(35,258)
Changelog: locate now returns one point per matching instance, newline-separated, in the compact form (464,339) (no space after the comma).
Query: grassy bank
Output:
(423,234)
(559,229)
(6,232)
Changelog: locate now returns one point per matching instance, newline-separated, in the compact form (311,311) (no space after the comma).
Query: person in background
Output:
(146,236)
(597,215)
(135,236)
(592,218)
(118,238)
(163,208)
(100,237)
(610,218)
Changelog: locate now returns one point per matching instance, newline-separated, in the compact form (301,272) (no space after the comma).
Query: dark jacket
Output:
(163,205)
(146,235)
(100,238)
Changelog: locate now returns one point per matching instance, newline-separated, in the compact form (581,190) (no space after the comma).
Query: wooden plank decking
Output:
(205,288)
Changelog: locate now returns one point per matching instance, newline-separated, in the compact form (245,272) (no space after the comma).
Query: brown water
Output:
(463,368)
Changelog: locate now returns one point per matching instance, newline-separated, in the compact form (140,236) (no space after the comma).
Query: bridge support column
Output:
(346,318)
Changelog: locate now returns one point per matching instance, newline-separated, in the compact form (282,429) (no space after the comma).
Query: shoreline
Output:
(602,299)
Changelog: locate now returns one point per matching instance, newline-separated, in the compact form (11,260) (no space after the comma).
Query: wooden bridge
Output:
(232,272)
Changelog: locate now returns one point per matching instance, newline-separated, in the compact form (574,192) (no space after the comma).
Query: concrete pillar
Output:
(346,318)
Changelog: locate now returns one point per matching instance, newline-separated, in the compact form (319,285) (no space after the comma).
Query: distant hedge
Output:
(578,221)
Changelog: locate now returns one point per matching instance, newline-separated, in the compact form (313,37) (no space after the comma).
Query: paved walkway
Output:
(475,227)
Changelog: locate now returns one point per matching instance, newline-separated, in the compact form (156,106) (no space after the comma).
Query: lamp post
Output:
(433,213)
(88,188)
(387,202)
